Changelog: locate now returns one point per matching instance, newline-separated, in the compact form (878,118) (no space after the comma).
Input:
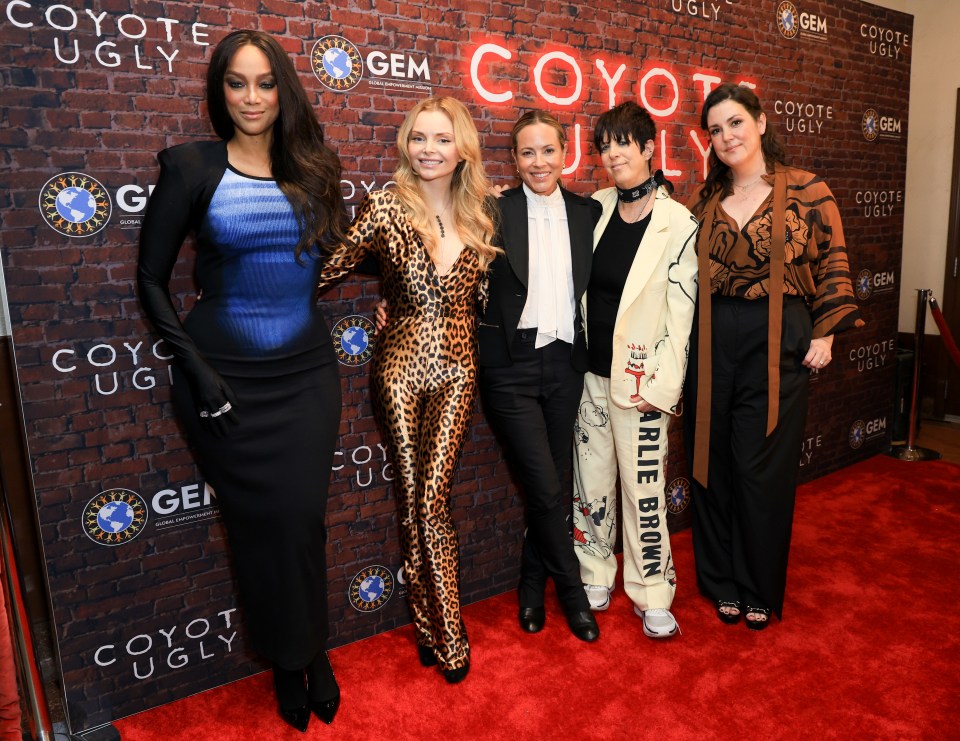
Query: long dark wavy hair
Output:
(306,170)
(718,176)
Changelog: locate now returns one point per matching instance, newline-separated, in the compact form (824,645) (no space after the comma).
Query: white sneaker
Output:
(597,596)
(658,622)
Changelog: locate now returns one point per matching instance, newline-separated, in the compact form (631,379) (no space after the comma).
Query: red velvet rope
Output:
(945,332)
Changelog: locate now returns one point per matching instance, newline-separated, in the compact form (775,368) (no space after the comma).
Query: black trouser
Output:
(743,520)
(531,406)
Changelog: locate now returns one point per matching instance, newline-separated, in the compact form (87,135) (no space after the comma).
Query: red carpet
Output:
(868,648)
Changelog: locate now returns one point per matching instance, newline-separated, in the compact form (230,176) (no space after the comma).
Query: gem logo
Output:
(862,432)
(371,588)
(75,204)
(787,20)
(864,284)
(353,340)
(857,434)
(114,517)
(678,495)
(337,63)
(870,125)
(792,21)
(876,126)
(868,283)
(183,505)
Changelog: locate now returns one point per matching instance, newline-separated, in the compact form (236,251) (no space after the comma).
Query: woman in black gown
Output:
(255,376)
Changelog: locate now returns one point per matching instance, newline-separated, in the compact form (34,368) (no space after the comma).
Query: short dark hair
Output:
(625,122)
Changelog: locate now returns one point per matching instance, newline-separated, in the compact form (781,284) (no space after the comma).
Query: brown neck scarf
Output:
(701,453)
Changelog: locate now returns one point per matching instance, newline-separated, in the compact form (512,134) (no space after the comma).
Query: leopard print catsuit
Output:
(424,383)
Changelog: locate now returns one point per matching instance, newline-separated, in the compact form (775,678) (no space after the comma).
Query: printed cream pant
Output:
(631,445)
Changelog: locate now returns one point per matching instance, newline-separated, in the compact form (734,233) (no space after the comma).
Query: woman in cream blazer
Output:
(639,310)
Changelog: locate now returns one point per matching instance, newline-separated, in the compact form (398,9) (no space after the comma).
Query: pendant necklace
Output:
(744,188)
(443,232)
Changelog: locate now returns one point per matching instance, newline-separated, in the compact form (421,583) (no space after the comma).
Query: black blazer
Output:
(510,271)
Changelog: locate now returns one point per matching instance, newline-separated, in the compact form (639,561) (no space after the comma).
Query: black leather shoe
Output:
(298,717)
(532,619)
(584,625)
(325,710)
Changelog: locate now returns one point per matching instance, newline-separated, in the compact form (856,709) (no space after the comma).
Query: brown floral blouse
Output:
(816,266)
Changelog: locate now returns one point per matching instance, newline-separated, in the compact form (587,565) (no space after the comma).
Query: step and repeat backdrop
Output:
(140,579)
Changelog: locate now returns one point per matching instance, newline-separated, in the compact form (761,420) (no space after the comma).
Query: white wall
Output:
(934,80)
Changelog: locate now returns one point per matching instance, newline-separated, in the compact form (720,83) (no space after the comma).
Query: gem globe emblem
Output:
(115,517)
(863,287)
(75,204)
(337,63)
(858,433)
(353,340)
(371,588)
(678,495)
(787,20)
(870,125)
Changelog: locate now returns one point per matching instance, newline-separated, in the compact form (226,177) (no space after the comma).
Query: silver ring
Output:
(225,408)
(821,362)
(204,414)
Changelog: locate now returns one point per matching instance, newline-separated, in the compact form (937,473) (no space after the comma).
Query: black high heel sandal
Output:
(730,618)
(756,624)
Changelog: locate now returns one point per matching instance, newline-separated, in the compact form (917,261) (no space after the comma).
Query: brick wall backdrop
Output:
(91,91)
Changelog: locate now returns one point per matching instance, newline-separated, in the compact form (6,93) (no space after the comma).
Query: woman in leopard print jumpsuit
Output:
(431,234)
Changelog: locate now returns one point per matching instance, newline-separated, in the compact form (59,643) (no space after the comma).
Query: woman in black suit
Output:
(533,356)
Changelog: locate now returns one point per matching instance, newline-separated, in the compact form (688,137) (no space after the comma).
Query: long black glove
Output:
(165,226)
(216,404)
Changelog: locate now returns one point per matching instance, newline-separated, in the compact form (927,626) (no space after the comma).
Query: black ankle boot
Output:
(292,697)
(427,656)
(323,690)
(455,676)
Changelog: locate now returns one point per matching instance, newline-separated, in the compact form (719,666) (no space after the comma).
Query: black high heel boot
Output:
(427,656)
(291,697)
(322,688)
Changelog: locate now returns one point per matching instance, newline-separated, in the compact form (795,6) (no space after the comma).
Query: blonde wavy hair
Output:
(473,212)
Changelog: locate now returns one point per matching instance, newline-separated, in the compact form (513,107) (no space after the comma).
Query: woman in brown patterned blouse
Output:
(774,288)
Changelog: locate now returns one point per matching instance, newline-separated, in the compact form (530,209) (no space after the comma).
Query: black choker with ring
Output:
(629,195)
